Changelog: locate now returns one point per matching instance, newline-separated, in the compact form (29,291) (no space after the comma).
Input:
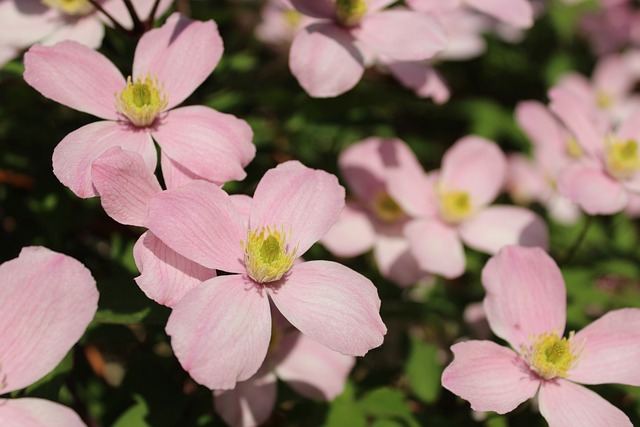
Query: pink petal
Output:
(498,226)
(76,76)
(32,412)
(611,349)
(565,404)
(312,369)
(594,191)
(118,10)
(395,261)
(518,13)
(220,331)
(613,76)
(544,131)
(181,54)
(423,79)
(332,304)
(174,174)
(86,30)
(25,22)
(73,156)
(242,204)
(437,247)
(325,60)
(315,8)
(251,403)
(125,185)
(525,295)
(376,5)
(413,189)
(352,234)
(198,137)
(166,276)
(630,128)
(199,222)
(47,300)
(400,34)
(489,376)
(474,165)
(306,202)
(526,180)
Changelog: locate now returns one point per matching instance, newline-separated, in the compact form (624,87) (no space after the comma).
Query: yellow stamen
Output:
(573,148)
(622,157)
(70,7)
(455,206)
(604,100)
(142,101)
(551,356)
(349,12)
(292,17)
(386,209)
(266,256)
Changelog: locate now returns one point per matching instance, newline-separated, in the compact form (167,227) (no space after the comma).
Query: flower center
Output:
(70,7)
(142,101)
(573,148)
(266,257)
(386,209)
(292,17)
(455,206)
(604,100)
(551,356)
(622,157)
(349,12)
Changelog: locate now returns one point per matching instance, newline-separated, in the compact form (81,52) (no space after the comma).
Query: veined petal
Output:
(422,78)
(86,30)
(32,412)
(76,76)
(592,189)
(395,261)
(220,331)
(489,376)
(73,156)
(352,234)
(412,188)
(47,299)
(332,304)
(175,175)
(525,295)
(181,54)
(436,247)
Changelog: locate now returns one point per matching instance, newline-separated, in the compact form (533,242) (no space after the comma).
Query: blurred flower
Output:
(279,23)
(526,306)
(517,13)
(170,63)
(47,300)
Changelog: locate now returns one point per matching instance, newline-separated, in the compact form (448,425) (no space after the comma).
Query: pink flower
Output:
(279,23)
(309,368)
(373,220)
(170,62)
(518,13)
(220,330)
(526,306)
(47,300)
(451,206)
(329,56)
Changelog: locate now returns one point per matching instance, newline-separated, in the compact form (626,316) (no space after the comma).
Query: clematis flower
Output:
(311,369)
(329,56)
(279,23)
(47,300)
(220,330)
(451,206)
(373,220)
(169,63)
(526,306)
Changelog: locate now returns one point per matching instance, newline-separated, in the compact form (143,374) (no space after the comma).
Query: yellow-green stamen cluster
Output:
(386,209)
(622,157)
(349,12)
(551,356)
(70,7)
(141,101)
(292,17)
(266,257)
(455,206)
(573,148)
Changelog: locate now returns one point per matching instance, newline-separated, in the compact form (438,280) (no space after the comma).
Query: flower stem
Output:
(115,23)
(574,247)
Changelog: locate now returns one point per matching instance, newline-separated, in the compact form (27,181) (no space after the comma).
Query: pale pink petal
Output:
(501,225)
(312,369)
(423,79)
(613,77)
(7,53)
(73,156)
(489,376)
(305,202)
(400,34)
(251,403)
(32,412)
(518,13)
(166,276)
(174,174)
(525,295)
(413,189)
(86,30)
(220,331)
(376,5)
(352,234)
(209,144)
(181,54)
(76,76)
(314,8)
(199,222)
(610,349)
(325,60)
(474,165)
(630,128)
(526,181)
(544,131)
(437,247)
(565,404)
(125,185)
(563,210)
(25,22)
(395,261)
(593,190)
(47,300)
(332,304)
(242,203)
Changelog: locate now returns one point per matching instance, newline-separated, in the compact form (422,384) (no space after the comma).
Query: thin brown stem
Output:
(148,23)
(138,26)
(115,23)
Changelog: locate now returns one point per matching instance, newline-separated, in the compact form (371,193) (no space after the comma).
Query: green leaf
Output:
(424,371)
(135,415)
(388,403)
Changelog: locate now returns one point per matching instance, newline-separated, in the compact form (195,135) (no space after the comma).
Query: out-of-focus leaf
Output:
(345,411)
(135,415)
(388,403)
(423,370)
